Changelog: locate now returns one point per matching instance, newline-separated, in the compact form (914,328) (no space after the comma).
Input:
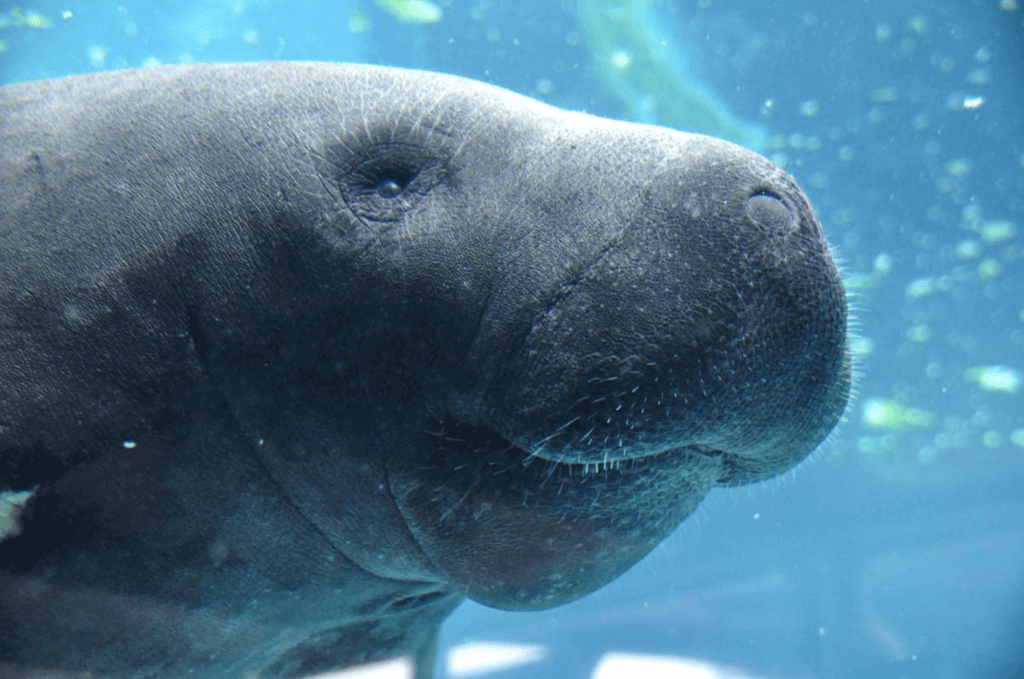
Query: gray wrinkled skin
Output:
(299,355)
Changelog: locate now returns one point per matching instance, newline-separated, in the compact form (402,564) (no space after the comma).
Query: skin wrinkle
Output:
(399,506)
(500,229)
(567,287)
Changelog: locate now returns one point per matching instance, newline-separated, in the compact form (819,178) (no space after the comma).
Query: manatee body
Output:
(296,356)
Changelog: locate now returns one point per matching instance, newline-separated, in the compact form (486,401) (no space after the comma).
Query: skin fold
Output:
(297,356)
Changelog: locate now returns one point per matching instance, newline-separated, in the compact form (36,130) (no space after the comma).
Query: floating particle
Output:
(817,180)
(621,59)
(781,159)
(862,346)
(968,249)
(935,213)
(97,55)
(883,32)
(479,10)
(907,44)
(920,288)
(411,11)
(66,14)
(251,37)
(971,103)
(919,333)
(860,281)
(493,34)
(998,230)
(358,22)
(843,215)
(544,86)
(970,217)
(927,454)
(998,378)
(809,108)
(982,55)
(847,152)
(38,20)
(958,167)
(928,241)
(989,268)
(3,46)
(867,445)
(880,413)
(1017,437)
(933,370)
(883,263)
(918,24)
(884,94)
(992,439)
(1008,5)
(920,122)
(979,76)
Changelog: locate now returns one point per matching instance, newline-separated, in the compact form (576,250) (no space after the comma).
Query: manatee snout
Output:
(714,321)
(698,339)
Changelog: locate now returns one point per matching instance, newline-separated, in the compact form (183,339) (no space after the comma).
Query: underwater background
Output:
(897,549)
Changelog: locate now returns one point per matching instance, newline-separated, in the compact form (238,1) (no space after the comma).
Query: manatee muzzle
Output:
(711,325)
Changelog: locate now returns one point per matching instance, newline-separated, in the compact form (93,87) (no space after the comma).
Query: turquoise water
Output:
(898,549)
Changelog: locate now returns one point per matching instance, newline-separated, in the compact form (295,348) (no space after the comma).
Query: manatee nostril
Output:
(767,210)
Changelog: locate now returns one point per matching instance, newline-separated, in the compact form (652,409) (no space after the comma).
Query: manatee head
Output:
(293,355)
(602,320)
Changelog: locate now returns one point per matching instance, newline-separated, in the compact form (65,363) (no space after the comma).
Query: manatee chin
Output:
(515,531)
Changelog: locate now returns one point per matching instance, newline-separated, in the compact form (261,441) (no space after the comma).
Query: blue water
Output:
(898,549)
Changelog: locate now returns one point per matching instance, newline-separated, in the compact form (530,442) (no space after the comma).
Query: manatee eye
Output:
(388,188)
(386,180)
(389,180)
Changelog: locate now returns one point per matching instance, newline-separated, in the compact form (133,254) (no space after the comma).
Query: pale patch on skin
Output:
(12,504)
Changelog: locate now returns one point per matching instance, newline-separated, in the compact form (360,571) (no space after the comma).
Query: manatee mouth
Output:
(481,442)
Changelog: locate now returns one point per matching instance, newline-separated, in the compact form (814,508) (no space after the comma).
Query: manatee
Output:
(294,357)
